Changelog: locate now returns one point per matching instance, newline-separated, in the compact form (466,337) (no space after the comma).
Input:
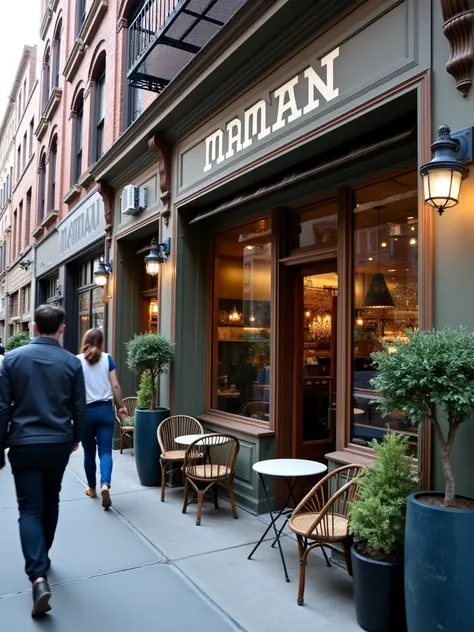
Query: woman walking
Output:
(102,387)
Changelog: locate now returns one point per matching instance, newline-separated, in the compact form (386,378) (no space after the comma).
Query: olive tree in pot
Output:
(377,517)
(431,378)
(149,355)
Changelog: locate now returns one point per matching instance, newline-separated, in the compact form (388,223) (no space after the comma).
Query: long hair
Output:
(92,345)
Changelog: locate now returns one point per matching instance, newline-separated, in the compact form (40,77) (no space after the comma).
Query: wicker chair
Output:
(168,430)
(130,404)
(324,518)
(220,453)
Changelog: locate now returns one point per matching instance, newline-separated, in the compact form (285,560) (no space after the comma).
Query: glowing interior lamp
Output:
(234,316)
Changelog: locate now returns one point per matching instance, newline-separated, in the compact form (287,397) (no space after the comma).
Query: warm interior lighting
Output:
(413,242)
(443,175)
(359,322)
(384,244)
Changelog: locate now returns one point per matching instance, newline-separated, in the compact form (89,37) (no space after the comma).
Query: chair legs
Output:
(302,553)
(200,499)
(122,441)
(163,479)
(186,494)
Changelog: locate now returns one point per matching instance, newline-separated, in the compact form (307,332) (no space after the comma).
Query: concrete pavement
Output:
(145,566)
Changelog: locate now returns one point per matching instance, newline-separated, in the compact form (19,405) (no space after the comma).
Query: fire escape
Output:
(167,34)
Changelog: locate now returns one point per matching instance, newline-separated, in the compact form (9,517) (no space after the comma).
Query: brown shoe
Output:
(105,493)
(91,492)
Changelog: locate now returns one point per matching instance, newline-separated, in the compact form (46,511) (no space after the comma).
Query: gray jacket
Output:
(42,395)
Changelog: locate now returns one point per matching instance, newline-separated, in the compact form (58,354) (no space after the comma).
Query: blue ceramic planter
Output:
(439,567)
(146,447)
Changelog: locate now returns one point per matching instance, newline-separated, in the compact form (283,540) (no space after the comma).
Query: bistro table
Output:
(290,470)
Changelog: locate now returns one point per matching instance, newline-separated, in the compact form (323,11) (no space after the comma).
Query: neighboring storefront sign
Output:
(47,254)
(82,226)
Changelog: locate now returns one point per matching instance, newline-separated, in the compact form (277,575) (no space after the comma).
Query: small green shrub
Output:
(378,513)
(144,391)
(19,339)
(153,353)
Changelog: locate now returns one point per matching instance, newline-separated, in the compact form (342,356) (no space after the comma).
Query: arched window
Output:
(46,77)
(42,189)
(98,117)
(53,155)
(78,111)
(57,55)
(133,96)
(80,15)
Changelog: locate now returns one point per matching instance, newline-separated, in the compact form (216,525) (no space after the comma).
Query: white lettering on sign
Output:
(239,135)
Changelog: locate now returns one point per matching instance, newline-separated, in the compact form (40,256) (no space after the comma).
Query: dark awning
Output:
(166,35)
(301,173)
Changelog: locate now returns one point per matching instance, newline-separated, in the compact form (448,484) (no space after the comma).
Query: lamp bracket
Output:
(465,141)
(165,247)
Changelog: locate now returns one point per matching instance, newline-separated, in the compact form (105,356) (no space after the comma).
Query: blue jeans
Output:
(98,432)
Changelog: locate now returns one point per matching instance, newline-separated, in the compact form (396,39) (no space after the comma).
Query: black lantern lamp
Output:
(442,176)
(378,295)
(101,275)
(157,255)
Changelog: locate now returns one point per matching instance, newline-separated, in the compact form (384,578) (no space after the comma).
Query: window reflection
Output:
(385,292)
(241,376)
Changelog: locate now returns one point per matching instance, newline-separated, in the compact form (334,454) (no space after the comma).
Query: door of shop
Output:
(314,363)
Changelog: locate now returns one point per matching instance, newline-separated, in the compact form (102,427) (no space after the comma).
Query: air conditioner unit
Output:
(134,199)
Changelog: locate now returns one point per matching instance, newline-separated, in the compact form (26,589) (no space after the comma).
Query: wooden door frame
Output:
(320,266)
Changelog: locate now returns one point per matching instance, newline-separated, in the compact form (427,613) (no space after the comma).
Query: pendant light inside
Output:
(378,295)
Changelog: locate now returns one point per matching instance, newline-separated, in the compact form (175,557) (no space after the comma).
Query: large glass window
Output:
(385,292)
(242,301)
(90,299)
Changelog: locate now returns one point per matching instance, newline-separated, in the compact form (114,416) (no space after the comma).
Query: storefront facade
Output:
(299,232)
(66,260)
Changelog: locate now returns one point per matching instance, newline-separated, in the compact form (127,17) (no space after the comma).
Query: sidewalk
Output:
(146,567)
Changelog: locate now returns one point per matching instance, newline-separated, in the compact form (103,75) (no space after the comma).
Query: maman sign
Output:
(259,120)
(82,226)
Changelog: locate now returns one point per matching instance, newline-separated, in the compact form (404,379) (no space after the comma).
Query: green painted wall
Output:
(454,239)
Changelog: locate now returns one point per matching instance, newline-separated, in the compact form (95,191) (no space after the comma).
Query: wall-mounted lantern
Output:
(443,175)
(101,275)
(158,254)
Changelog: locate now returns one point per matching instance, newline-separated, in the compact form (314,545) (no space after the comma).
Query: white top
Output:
(96,378)
(289,468)
(188,439)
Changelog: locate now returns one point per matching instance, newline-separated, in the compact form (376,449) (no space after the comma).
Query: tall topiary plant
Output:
(430,378)
(153,353)
(19,339)
(378,513)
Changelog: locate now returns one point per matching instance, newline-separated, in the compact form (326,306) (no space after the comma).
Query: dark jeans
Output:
(98,433)
(38,471)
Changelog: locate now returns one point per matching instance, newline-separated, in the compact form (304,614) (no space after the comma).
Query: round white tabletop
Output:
(289,468)
(188,439)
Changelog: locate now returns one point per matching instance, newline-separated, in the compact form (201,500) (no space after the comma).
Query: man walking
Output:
(42,409)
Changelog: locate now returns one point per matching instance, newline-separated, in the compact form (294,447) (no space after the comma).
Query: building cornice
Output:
(51,6)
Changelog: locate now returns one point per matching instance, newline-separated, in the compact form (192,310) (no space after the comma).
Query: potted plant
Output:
(149,355)
(377,517)
(19,339)
(431,378)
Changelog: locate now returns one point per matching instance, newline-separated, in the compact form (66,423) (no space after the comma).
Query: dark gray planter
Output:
(146,447)
(439,563)
(378,594)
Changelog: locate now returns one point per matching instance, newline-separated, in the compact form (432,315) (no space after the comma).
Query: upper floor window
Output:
(46,77)
(32,131)
(57,55)
(99,112)
(42,189)
(80,14)
(77,138)
(53,154)
(133,96)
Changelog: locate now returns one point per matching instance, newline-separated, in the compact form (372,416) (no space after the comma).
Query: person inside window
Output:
(102,387)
